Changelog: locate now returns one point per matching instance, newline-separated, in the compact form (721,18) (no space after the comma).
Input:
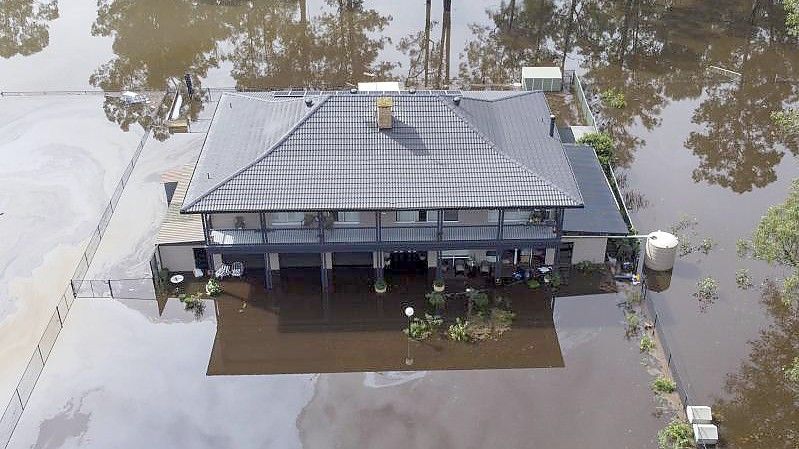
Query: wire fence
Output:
(135,288)
(676,370)
(582,102)
(41,353)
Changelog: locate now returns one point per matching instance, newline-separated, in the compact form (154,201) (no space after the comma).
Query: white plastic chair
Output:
(238,270)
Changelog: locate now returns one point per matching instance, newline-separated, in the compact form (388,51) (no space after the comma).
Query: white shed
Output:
(548,79)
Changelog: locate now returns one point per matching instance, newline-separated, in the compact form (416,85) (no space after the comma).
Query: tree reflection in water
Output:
(25,26)
(762,408)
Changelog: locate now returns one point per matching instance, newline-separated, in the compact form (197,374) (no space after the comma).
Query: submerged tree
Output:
(24,26)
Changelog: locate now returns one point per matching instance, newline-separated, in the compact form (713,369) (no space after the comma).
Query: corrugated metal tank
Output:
(661,250)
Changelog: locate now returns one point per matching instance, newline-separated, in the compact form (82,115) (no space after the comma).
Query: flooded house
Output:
(445,181)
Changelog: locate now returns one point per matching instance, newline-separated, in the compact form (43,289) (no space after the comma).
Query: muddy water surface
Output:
(693,139)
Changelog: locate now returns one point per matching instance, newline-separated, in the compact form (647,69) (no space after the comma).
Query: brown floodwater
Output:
(692,140)
(296,328)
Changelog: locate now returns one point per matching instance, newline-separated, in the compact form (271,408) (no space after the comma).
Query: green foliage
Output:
(553,279)
(742,248)
(479,300)
(423,328)
(776,239)
(634,296)
(663,385)
(380,284)
(457,331)
(603,145)
(533,284)
(489,326)
(613,98)
(677,434)
(436,300)
(647,344)
(163,276)
(193,302)
(707,289)
(791,16)
(213,287)
(787,121)
(742,279)
(438,283)
(792,371)
(633,323)
(588,267)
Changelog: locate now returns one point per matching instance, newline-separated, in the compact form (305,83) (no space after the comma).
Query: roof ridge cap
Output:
(279,142)
(515,94)
(493,146)
(265,100)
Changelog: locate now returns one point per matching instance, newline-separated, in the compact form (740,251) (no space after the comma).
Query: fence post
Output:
(72,284)
(110,290)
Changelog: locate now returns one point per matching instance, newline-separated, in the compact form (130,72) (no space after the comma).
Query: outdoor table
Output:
(176,279)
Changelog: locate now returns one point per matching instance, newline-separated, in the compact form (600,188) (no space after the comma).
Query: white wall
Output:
(590,249)
(178,257)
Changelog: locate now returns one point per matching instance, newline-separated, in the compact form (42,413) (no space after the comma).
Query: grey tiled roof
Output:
(601,214)
(332,156)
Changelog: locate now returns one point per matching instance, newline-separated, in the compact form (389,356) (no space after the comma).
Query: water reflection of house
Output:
(448,180)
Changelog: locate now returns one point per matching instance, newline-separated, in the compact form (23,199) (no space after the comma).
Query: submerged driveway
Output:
(123,376)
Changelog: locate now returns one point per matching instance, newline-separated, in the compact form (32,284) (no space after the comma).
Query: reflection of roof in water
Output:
(358,331)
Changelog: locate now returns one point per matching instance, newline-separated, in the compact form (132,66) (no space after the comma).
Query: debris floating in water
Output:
(725,71)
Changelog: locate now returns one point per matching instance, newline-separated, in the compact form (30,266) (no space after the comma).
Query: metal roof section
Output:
(601,213)
(177,227)
(437,154)
(242,129)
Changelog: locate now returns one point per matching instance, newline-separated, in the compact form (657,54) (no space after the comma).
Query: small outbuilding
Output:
(548,79)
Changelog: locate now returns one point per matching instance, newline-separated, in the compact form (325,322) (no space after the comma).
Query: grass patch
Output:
(743,280)
(707,289)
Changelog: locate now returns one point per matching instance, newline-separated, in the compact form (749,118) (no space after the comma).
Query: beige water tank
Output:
(661,250)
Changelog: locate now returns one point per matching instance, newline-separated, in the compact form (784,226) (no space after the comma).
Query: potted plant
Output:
(438,285)
(380,286)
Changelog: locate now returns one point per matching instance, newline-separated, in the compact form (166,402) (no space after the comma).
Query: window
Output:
(287,218)
(410,216)
(421,216)
(347,217)
(450,215)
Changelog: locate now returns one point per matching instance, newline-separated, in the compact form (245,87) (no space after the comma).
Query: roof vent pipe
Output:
(457,100)
(309,102)
(552,125)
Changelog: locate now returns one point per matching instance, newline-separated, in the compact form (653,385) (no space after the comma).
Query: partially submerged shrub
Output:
(634,296)
(213,287)
(743,248)
(707,289)
(632,323)
(489,326)
(647,344)
(423,328)
(663,385)
(533,284)
(742,279)
(787,121)
(613,98)
(193,302)
(436,300)
(588,267)
(678,434)
(792,371)
(602,144)
(457,331)
(479,300)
